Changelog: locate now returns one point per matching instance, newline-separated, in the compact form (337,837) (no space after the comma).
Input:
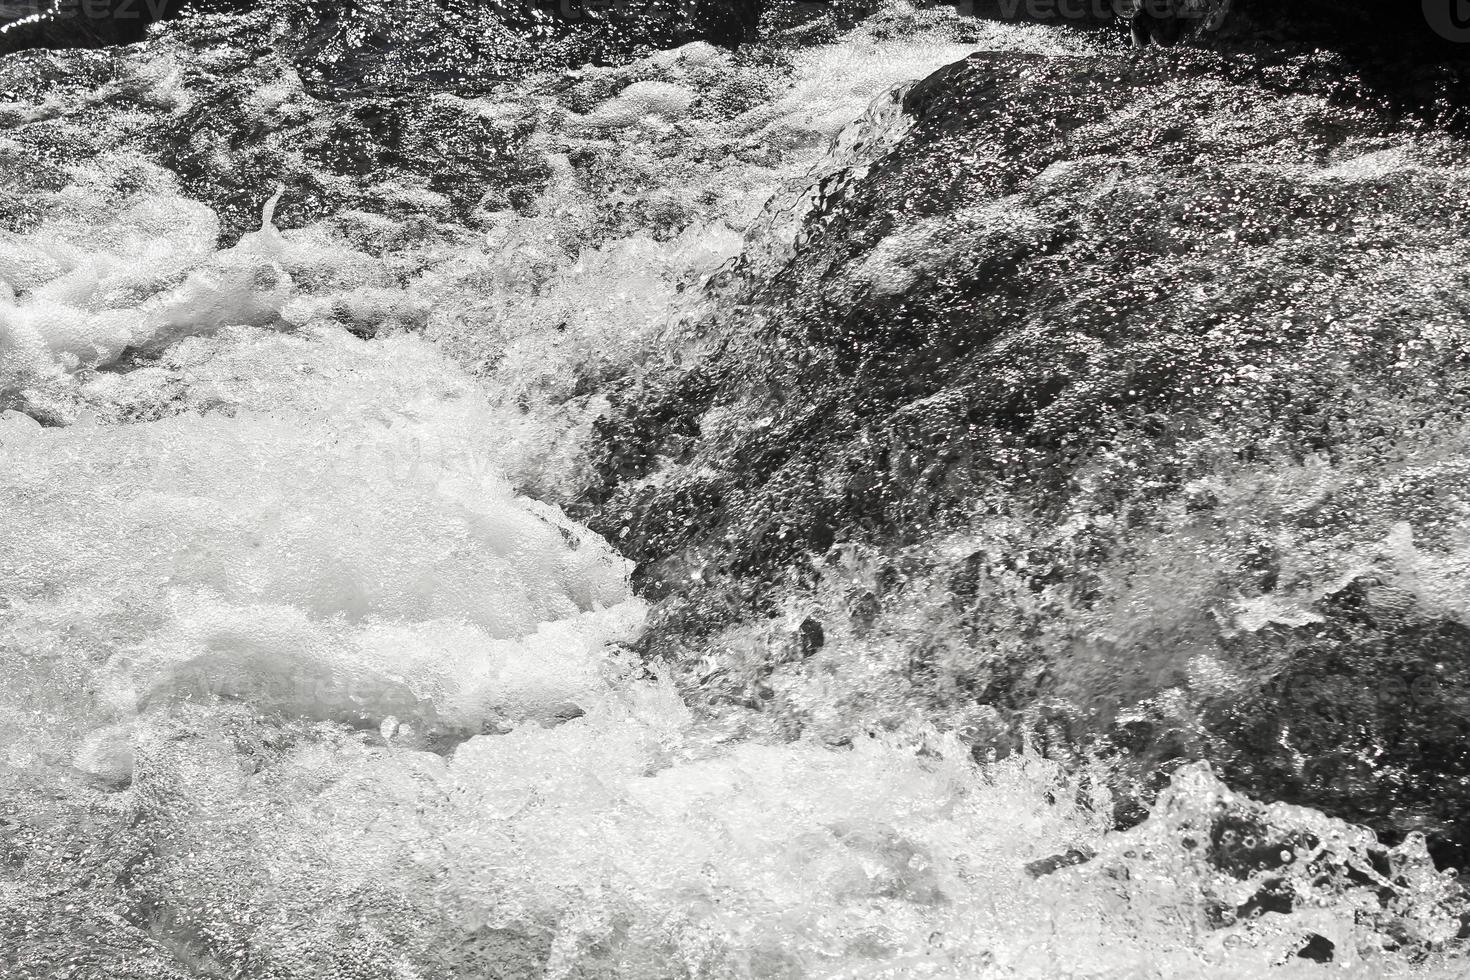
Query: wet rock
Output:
(375,45)
(1068,284)
(810,637)
(1367,719)
(1056,862)
(808,21)
(1319,949)
(921,342)
(1410,55)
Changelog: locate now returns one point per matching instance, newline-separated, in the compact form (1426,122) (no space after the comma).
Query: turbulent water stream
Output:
(307,672)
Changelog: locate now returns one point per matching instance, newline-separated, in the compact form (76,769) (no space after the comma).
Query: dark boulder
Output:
(1108,318)
(1411,56)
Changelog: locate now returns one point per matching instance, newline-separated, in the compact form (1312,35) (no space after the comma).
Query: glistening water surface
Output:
(307,672)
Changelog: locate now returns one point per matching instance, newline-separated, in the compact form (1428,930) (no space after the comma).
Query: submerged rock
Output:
(1056,862)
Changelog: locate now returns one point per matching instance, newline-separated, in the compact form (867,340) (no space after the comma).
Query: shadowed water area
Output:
(788,490)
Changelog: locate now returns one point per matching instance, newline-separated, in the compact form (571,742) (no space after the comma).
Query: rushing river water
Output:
(306,672)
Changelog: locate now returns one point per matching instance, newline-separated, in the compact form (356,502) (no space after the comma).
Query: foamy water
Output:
(301,681)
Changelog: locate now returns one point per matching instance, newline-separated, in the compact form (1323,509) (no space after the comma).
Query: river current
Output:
(307,672)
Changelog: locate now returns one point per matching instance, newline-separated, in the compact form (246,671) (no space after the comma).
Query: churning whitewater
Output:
(308,672)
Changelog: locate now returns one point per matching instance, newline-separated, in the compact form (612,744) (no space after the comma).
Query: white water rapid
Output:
(302,680)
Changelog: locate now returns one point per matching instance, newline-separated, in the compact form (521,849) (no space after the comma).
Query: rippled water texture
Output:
(307,672)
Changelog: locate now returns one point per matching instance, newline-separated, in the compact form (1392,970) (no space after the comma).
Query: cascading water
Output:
(307,672)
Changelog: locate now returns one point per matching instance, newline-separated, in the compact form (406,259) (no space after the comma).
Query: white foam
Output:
(351,555)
